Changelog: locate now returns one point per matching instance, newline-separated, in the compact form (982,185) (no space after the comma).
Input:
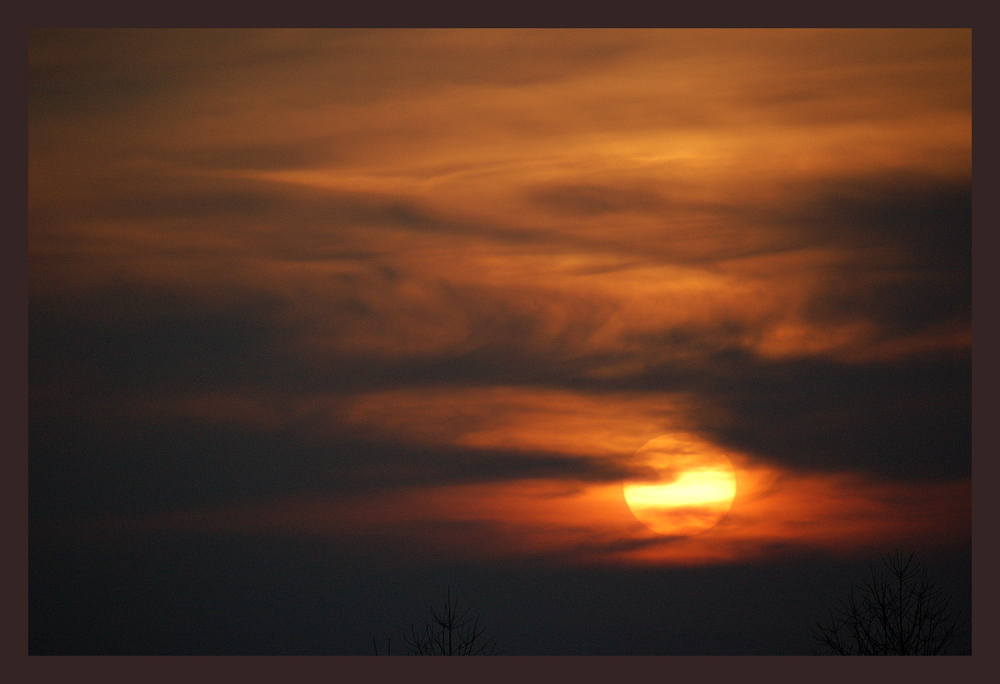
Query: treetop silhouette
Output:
(898,610)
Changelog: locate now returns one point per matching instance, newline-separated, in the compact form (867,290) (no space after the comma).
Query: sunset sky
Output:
(342,317)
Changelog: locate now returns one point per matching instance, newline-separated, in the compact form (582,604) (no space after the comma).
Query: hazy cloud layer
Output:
(266,263)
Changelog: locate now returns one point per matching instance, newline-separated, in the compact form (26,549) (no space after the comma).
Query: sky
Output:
(323,322)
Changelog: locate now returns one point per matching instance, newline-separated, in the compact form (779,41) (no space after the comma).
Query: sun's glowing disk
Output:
(696,487)
(690,488)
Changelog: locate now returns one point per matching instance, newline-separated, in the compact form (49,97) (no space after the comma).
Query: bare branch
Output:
(450,632)
(898,610)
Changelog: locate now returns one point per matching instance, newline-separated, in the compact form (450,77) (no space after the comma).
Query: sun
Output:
(689,489)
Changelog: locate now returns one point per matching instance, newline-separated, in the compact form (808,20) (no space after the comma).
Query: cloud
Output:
(591,524)
(267,263)
(593,200)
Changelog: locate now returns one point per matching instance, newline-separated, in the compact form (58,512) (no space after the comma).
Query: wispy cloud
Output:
(404,258)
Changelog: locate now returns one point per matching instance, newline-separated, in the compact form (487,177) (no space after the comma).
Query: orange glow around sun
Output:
(693,519)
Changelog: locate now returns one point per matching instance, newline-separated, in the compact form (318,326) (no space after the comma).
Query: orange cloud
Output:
(534,242)
(774,511)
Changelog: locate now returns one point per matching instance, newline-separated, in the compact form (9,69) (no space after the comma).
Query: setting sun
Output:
(694,489)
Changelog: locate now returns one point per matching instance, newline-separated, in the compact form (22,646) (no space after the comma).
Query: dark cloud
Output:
(142,338)
(923,223)
(84,466)
(930,218)
(88,95)
(98,72)
(131,346)
(136,337)
(914,302)
(899,418)
(903,420)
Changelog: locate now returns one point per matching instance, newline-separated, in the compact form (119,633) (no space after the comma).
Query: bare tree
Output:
(451,632)
(896,611)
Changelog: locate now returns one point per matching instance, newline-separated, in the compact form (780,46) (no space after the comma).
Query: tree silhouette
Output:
(451,632)
(896,611)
